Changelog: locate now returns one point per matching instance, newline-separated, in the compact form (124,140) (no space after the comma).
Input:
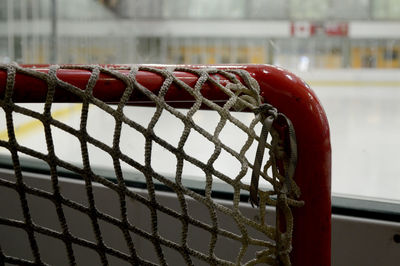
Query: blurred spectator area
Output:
(296,34)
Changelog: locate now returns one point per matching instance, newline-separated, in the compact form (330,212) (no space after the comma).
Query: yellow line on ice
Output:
(34,125)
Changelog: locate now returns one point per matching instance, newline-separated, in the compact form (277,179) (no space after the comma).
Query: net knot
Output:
(245,96)
(248,92)
(266,109)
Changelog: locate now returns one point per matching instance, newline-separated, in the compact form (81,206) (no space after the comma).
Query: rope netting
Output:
(242,93)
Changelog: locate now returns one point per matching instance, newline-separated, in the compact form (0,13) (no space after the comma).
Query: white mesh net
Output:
(242,93)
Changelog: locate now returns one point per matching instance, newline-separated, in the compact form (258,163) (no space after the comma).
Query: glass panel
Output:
(88,10)
(205,9)
(176,9)
(3,10)
(268,9)
(138,9)
(386,9)
(309,9)
(350,9)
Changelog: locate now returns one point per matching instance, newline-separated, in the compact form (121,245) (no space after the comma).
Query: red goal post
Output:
(280,88)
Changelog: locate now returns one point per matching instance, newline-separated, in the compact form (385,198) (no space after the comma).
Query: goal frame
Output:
(278,87)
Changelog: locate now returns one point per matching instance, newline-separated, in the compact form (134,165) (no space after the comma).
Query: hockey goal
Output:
(284,145)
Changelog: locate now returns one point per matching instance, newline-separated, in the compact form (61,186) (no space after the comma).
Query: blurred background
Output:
(347,50)
(297,34)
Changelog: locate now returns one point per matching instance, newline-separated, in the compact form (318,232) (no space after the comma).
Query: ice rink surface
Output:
(365,131)
(364,122)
